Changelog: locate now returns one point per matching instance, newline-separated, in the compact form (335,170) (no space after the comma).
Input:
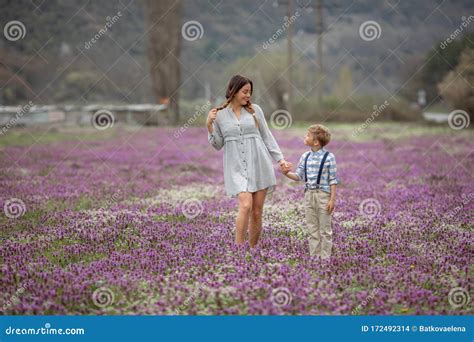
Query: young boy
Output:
(317,168)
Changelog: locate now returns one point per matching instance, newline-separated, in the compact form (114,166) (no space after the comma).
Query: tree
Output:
(163,24)
(427,72)
(16,73)
(344,85)
(456,87)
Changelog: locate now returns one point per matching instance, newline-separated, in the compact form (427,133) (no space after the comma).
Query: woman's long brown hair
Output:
(235,84)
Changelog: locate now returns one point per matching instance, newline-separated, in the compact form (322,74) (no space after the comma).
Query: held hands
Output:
(285,166)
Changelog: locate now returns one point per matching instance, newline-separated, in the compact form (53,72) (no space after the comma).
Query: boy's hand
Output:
(330,206)
(285,167)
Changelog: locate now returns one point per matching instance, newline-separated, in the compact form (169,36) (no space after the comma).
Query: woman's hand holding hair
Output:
(211,117)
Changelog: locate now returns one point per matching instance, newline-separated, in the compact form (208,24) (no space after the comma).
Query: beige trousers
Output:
(319,223)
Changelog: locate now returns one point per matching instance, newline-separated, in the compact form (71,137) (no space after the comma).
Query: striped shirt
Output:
(328,176)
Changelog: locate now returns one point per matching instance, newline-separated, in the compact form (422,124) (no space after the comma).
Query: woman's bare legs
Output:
(255,229)
(245,207)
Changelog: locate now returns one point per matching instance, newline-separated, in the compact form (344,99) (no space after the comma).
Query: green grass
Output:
(380,130)
(61,259)
(376,130)
(39,135)
(84,202)
(170,218)
(29,219)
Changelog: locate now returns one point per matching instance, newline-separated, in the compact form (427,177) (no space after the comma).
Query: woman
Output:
(241,127)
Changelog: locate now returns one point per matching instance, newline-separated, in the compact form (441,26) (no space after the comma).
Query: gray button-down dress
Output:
(247,151)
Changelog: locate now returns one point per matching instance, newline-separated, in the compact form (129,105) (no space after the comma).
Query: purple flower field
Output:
(139,223)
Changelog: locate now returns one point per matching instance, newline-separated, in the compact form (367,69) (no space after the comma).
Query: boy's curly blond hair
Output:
(320,133)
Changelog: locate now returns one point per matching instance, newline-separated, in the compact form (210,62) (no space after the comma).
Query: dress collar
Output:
(234,116)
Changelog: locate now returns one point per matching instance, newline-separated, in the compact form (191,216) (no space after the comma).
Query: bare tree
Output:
(456,87)
(163,25)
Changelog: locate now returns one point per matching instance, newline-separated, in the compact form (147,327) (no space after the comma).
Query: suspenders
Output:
(320,169)
(305,161)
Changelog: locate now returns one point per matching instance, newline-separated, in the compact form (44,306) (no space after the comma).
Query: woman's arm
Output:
(267,136)
(214,135)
